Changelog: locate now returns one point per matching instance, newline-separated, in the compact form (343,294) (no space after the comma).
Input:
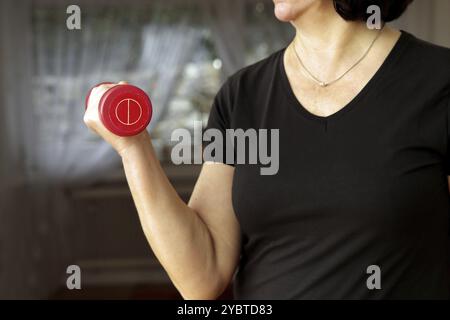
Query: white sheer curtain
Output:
(115,43)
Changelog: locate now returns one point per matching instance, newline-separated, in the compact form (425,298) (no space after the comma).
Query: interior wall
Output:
(428,20)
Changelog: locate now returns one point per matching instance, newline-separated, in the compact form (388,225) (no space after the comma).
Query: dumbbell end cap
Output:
(125,110)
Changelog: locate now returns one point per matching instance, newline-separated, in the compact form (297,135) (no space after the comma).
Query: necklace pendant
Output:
(323,84)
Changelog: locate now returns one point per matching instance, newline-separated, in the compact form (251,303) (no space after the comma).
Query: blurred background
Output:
(63,195)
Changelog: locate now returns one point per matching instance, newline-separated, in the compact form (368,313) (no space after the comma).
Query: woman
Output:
(359,206)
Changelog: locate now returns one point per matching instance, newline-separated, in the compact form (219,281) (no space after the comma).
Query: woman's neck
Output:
(320,30)
(323,37)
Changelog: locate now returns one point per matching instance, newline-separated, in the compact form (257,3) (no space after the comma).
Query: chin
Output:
(290,10)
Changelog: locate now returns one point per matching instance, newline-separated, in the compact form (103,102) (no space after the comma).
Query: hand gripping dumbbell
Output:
(125,110)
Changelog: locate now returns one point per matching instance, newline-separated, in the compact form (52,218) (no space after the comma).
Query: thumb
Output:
(123,82)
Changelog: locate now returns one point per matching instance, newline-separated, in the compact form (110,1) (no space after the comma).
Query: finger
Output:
(123,82)
(101,89)
(106,86)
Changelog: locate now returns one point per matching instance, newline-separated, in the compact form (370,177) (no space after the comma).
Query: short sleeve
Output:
(216,143)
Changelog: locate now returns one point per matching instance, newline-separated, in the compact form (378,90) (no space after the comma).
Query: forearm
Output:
(179,238)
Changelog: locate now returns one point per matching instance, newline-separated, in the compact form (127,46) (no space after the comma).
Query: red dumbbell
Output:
(125,110)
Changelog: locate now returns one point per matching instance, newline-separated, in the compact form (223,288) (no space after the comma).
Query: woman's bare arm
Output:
(197,244)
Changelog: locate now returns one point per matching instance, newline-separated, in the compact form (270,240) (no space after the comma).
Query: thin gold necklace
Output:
(324,83)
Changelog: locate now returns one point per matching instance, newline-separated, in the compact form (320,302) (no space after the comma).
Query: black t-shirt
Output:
(366,186)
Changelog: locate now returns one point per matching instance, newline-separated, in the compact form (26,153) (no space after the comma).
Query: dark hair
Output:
(357,9)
